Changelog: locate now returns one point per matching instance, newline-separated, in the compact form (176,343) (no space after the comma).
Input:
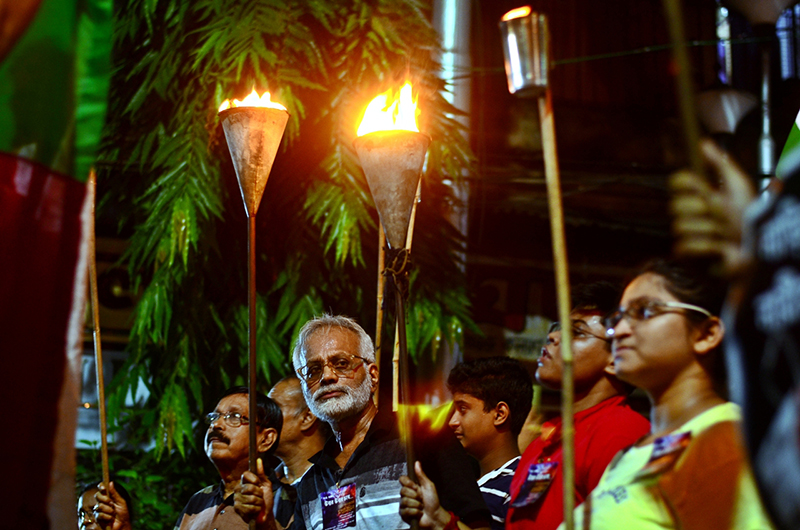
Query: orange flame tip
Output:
(252,100)
(399,115)
(519,12)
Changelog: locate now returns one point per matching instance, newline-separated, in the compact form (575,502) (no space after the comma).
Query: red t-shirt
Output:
(600,432)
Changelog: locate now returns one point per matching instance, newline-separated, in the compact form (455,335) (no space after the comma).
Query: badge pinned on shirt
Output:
(339,507)
(536,483)
(666,451)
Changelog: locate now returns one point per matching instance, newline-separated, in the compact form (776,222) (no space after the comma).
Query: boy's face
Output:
(473,427)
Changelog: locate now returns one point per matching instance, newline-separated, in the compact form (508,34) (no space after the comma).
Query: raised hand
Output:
(111,512)
(252,498)
(707,220)
(421,501)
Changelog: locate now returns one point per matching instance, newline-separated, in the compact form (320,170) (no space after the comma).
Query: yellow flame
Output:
(434,415)
(399,115)
(519,12)
(252,100)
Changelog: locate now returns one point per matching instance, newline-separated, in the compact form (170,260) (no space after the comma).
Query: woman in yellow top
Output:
(691,471)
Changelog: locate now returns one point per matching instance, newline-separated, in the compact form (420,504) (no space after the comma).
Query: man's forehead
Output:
(326,342)
(587,316)
(286,392)
(463,398)
(233,403)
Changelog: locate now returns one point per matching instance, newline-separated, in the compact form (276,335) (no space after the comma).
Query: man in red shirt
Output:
(604,422)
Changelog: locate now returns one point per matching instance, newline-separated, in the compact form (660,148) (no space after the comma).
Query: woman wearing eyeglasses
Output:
(691,470)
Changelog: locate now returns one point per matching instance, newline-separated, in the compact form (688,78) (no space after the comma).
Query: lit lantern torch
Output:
(526,46)
(392,151)
(253,129)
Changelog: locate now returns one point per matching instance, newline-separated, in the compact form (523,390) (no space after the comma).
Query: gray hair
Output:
(325,322)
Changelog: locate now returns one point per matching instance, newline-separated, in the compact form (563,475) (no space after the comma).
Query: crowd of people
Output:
(343,464)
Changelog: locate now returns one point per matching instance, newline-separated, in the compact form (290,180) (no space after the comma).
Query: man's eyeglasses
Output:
(85,518)
(233,419)
(343,365)
(578,332)
(639,310)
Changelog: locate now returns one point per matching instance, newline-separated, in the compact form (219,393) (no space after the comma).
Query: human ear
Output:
(709,336)
(373,375)
(307,420)
(501,413)
(266,438)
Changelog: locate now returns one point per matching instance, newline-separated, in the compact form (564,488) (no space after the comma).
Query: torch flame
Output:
(400,115)
(434,416)
(519,12)
(252,100)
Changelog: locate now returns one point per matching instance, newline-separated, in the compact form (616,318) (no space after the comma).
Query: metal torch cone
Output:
(253,135)
(392,162)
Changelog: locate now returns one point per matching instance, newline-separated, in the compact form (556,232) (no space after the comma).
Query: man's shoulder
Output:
(202,499)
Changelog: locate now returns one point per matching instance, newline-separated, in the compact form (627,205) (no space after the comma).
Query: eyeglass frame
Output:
(84,517)
(611,321)
(556,326)
(215,416)
(327,362)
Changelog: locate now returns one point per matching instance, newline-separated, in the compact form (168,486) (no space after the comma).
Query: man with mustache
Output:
(227,445)
(355,478)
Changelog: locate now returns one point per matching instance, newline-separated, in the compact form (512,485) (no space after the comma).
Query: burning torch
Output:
(253,129)
(392,151)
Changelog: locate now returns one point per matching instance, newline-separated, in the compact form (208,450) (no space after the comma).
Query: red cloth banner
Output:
(42,269)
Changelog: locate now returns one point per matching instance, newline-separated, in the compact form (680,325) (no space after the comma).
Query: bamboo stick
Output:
(379,311)
(562,290)
(396,355)
(98,350)
(683,83)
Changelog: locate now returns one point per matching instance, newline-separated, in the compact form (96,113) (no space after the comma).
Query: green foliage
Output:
(158,490)
(167,179)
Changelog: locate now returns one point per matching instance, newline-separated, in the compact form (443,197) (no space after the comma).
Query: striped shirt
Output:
(495,486)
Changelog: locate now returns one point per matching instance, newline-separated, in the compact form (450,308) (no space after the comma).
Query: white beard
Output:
(336,409)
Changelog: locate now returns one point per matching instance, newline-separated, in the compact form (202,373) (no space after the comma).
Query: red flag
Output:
(42,303)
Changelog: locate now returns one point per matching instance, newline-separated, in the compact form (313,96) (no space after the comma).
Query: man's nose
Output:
(453,423)
(328,373)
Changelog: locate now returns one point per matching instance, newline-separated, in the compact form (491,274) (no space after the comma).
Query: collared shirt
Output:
(495,487)
(285,495)
(207,510)
(375,469)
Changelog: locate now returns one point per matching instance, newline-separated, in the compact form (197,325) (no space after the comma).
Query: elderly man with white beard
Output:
(354,481)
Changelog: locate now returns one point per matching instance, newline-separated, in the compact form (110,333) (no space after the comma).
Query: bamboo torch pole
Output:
(396,355)
(98,350)
(526,46)
(379,311)
(683,83)
(562,290)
